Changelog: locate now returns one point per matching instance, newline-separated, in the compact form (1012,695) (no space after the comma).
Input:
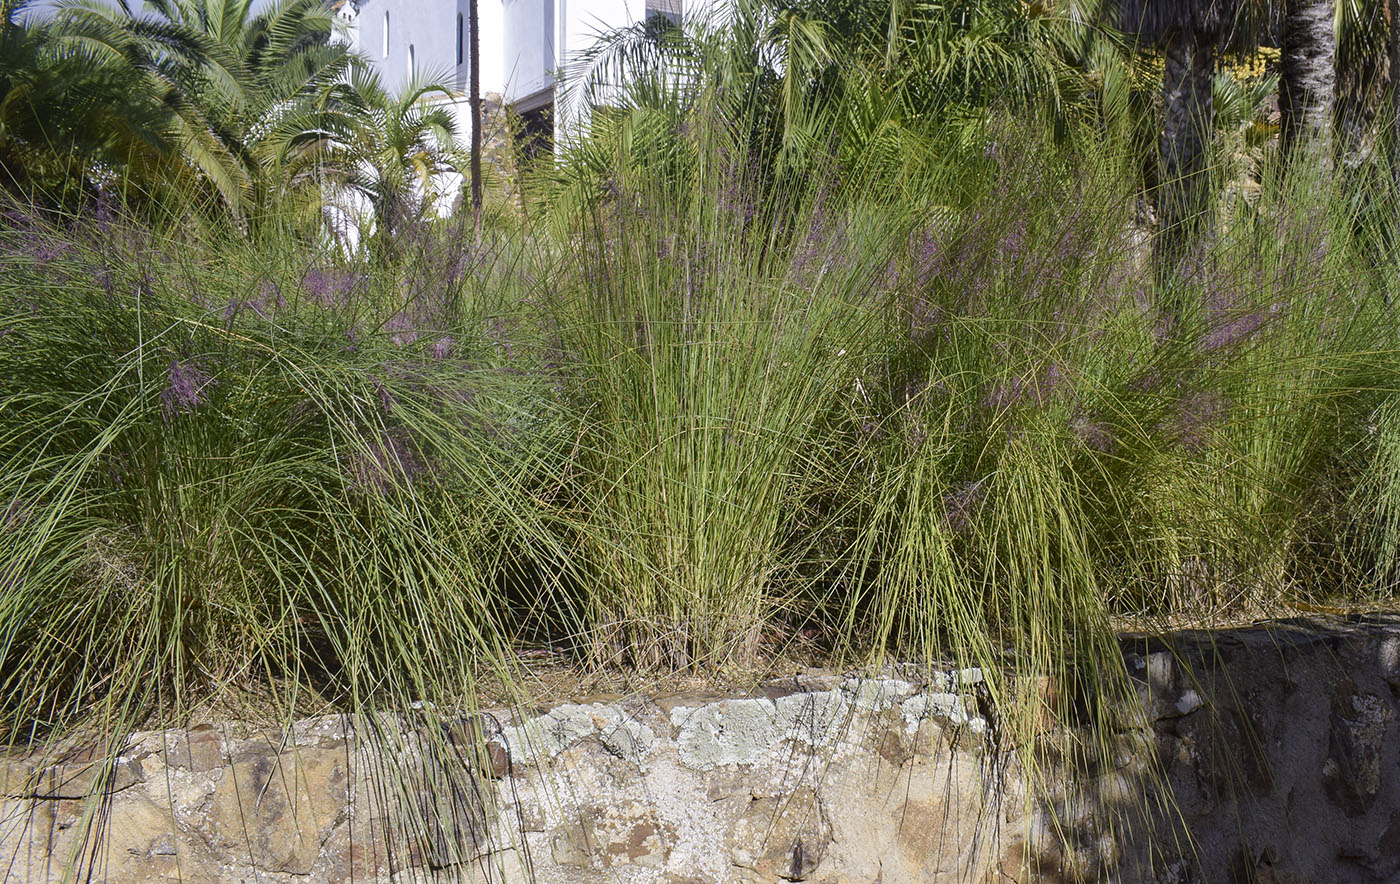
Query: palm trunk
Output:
(1394,108)
(1308,75)
(474,66)
(1186,131)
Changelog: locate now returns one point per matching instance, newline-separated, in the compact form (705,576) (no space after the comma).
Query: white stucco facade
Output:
(524,44)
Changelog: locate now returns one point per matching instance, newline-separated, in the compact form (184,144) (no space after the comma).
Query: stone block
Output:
(599,837)
(355,852)
(1351,774)
(276,809)
(782,837)
(17,777)
(78,780)
(205,749)
(479,742)
(23,778)
(137,841)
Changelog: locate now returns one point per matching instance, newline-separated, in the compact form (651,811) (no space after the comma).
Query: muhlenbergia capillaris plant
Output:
(257,476)
(739,366)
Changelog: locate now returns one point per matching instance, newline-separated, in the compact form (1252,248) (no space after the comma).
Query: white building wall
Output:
(529,42)
(586,20)
(491,21)
(524,44)
(347,16)
(404,36)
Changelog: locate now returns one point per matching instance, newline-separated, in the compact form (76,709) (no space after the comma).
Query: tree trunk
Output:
(1188,118)
(1308,75)
(474,66)
(1394,109)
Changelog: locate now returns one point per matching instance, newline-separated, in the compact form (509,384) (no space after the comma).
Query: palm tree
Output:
(1190,34)
(388,148)
(1308,73)
(227,78)
(64,114)
(1361,72)
(886,67)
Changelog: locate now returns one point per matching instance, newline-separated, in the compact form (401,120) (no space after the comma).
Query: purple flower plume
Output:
(928,257)
(385,463)
(270,294)
(402,328)
(1012,242)
(329,287)
(1196,417)
(1093,434)
(105,212)
(961,505)
(42,249)
(187,388)
(1036,387)
(387,399)
(1240,329)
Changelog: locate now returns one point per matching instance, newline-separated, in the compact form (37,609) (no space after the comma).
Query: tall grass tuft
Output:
(712,325)
(229,473)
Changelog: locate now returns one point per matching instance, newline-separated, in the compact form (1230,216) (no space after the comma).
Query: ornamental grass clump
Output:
(1287,350)
(290,501)
(710,324)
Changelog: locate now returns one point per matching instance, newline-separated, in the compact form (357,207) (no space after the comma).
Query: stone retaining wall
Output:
(1278,744)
